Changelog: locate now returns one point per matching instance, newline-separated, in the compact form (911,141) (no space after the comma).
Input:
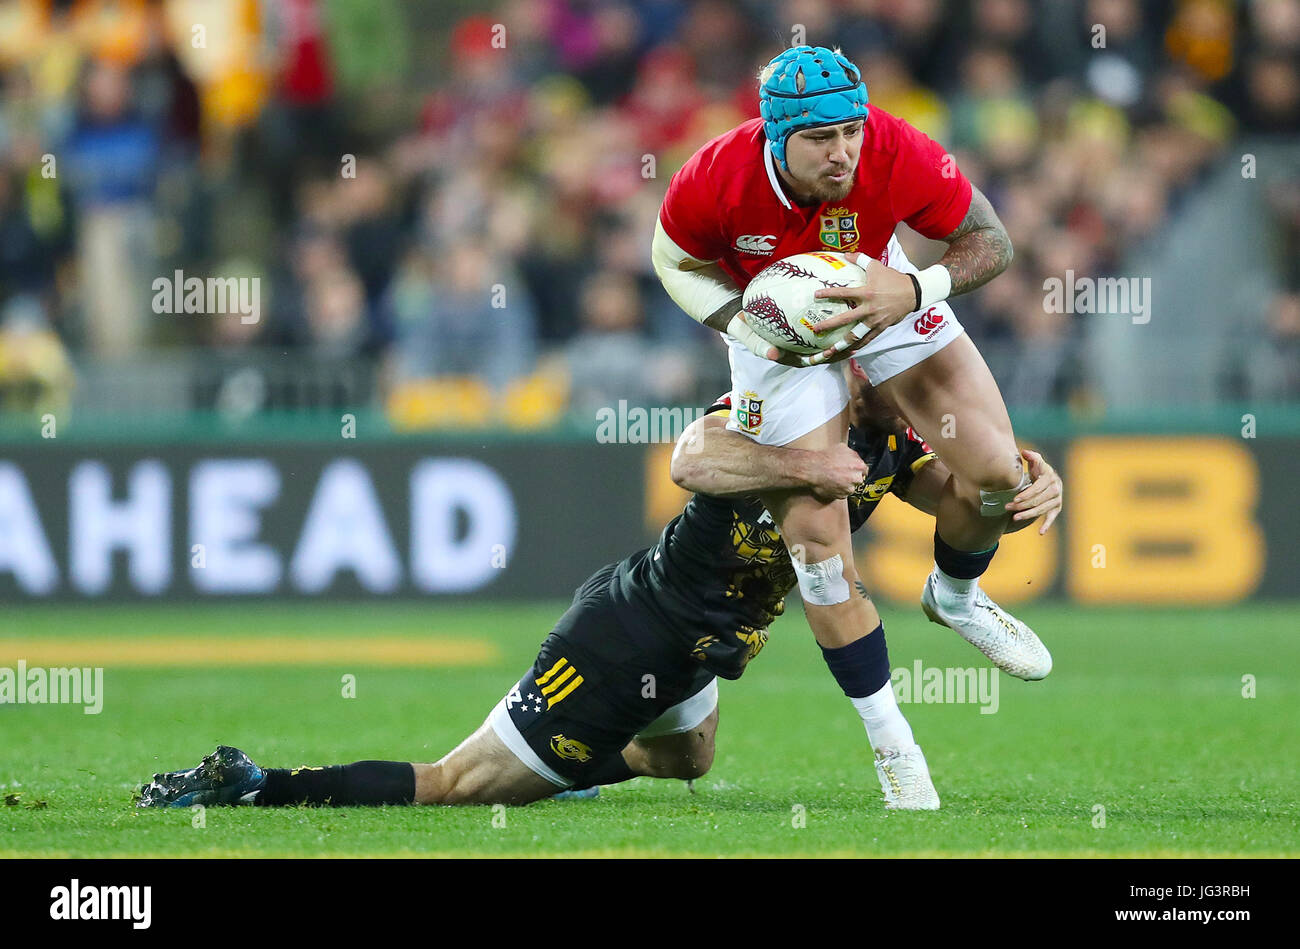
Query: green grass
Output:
(1143,715)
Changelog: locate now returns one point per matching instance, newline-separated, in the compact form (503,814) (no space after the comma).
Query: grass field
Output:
(1144,715)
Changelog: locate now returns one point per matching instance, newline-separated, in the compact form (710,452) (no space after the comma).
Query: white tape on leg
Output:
(994,503)
(823,583)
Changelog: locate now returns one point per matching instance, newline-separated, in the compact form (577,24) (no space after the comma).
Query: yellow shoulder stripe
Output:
(924,459)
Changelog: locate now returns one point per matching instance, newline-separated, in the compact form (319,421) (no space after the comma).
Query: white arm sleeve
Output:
(700,287)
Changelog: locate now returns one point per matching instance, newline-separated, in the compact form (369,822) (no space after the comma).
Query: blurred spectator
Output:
(609,360)
(111,160)
(461,313)
(35,373)
(523,149)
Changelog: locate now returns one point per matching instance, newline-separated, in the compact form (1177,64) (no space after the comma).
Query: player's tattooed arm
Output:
(979,248)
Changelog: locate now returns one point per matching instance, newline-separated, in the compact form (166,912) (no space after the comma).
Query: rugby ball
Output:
(781,307)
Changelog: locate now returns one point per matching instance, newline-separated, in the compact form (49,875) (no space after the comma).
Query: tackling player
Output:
(822,170)
(624,685)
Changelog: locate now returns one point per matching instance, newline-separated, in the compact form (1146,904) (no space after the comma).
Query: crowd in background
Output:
(463,200)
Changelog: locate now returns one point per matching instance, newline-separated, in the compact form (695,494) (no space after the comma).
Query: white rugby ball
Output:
(781,307)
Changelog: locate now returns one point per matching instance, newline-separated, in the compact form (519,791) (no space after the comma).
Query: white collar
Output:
(769,162)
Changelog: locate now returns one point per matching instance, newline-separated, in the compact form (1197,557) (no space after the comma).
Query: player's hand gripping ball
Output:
(780,306)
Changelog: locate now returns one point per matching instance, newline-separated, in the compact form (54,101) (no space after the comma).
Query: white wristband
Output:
(936,284)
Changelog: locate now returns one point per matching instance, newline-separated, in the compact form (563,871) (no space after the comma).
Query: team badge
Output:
(748,413)
(569,749)
(839,229)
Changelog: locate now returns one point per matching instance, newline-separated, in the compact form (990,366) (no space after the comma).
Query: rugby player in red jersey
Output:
(823,170)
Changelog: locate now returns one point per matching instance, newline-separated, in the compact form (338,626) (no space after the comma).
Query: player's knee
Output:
(699,762)
(998,472)
(693,761)
(697,758)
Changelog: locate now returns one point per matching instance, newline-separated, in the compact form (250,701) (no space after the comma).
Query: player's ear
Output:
(855,368)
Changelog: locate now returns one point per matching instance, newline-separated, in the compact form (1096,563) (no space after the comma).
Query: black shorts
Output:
(600,680)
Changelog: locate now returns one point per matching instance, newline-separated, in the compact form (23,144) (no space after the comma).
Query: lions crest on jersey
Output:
(748,413)
(839,229)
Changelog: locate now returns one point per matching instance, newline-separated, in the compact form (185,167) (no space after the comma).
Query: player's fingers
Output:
(847,318)
(1033,512)
(1043,478)
(1047,521)
(857,294)
(1030,496)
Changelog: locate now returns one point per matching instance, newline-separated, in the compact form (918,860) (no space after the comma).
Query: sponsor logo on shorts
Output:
(570,749)
(748,413)
(868,492)
(928,323)
(760,244)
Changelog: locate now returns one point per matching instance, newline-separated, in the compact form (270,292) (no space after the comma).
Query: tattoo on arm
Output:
(979,249)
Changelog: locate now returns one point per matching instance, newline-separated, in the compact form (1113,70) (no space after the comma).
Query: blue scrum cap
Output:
(809,86)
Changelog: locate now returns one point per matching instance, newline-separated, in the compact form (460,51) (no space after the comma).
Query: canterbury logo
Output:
(558,681)
(755,243)
(928,322)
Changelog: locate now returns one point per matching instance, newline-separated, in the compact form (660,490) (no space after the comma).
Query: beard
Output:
(827,190)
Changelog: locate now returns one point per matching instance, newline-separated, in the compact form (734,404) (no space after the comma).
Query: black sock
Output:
(961,564)
(362,782)
(862,667)
(612,771)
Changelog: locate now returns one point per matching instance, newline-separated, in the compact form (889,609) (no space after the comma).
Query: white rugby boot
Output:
(905,779)
(1009,644)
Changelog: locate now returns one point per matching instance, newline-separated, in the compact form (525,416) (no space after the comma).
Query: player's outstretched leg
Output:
(952,400)
(481,770)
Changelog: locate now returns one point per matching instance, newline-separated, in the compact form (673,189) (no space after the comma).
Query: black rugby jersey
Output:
(719,573)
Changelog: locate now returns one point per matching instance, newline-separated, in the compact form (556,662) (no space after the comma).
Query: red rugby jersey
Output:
(727,203)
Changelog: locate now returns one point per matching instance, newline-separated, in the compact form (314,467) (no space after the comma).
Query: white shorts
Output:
(775,404)
(682,717)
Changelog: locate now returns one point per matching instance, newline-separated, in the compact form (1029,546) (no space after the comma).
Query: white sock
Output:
(955,594)
(887,729)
